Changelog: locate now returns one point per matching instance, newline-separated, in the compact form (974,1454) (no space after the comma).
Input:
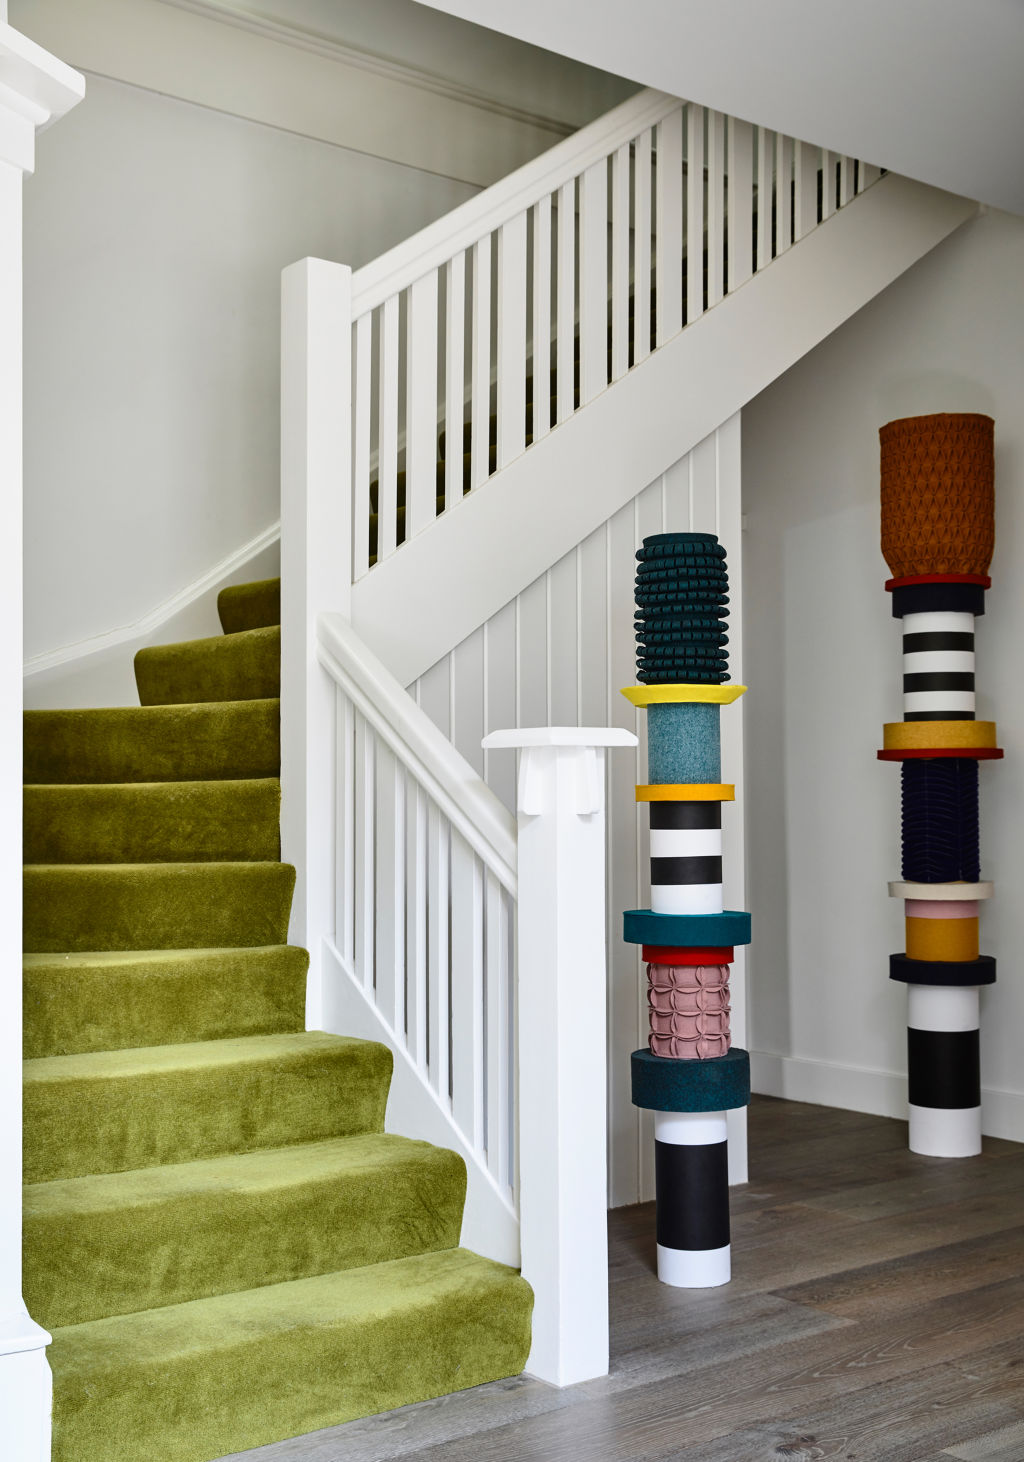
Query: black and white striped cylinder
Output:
(691,1168)
(686,857)
(944,1070)
(938,667)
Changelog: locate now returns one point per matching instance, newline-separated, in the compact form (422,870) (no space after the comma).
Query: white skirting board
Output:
(860,1089)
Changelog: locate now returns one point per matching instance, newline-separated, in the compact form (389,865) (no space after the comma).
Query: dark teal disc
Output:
(719,1084)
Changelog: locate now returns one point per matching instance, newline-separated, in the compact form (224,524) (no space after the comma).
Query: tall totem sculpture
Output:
(690,1075)
(938,532)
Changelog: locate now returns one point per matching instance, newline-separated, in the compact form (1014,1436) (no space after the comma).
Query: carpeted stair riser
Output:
(71,907)
(249,606)
(240,1370)
(243,666)
(154,822)
(113,1000)
(116,1243)
(228,739)
(111,1111)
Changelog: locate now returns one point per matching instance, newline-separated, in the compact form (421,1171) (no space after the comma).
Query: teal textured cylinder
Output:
(717,1085)
(683,743)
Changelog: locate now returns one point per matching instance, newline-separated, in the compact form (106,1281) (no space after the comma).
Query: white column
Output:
(316,577)
(562,964)
(34,90)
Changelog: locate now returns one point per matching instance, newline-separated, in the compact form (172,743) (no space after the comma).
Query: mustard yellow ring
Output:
(913,735)
(686,792)
(668,695)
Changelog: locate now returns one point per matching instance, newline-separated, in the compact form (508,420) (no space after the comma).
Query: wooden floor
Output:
(876,1313)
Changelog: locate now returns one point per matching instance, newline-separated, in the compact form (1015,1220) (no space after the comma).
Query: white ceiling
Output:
(933,89)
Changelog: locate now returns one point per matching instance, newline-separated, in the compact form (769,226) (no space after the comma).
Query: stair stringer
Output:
(559,490)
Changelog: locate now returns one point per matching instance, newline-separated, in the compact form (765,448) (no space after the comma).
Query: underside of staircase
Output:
(224,1243)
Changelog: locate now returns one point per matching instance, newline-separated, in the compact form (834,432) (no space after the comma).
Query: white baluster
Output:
(511,339)
(846,169)
(390,888)
(562,960)
(421,406)
(362,393)
(828,184)
(642,247)
(783,192)
(437,950)
(806,160)
(669,227)
(566,300)
(363,857)
(740,221)
(593,281)
(620,262)
(416,923)
(694,212)
(467,983)
(498,1031)
(542,317)
(481,429)
(867,174)
(716,207)
(345,804)
(765,193)
(455,377)
(387,431)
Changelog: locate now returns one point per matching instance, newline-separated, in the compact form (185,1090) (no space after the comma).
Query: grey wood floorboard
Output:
(876,1313)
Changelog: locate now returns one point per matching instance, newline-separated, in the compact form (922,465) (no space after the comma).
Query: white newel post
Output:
(35,89)
(316,576)
(561,982)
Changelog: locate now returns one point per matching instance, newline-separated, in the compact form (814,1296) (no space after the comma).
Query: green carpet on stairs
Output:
(225,1244)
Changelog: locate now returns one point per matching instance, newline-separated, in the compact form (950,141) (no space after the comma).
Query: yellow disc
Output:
(665,695)
(911,735)
(686,792)
(942,939)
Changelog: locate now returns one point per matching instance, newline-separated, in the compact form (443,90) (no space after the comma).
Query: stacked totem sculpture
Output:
(690,1075)
(938,532)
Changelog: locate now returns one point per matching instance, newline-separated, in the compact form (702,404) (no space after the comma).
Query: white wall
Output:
(559,655)
(156,232)
(824,669)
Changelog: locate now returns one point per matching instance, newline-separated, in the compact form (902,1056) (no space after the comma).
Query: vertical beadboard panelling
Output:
(559,655)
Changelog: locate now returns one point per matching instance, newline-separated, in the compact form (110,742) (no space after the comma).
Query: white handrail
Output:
(434,245)
(465,798)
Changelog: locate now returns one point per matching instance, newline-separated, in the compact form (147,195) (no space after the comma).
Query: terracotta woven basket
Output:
(938,502)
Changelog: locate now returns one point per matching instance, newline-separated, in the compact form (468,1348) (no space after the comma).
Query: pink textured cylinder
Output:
(941,908)
(688,1006)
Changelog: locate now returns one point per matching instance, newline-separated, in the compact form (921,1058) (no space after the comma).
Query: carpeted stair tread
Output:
(149,822)
(111,1111)
(194,1381)
(249,606)
(225,739)
(81,906)
(114,999)
(243,666)
(120,1242)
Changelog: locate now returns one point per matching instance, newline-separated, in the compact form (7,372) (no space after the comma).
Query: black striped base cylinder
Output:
(691,1167)
(944,1070)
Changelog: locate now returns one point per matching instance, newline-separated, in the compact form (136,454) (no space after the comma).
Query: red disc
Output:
(965,753)
(908,579)
(654,954)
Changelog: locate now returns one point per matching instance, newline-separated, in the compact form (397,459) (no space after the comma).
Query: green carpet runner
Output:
(224,1243)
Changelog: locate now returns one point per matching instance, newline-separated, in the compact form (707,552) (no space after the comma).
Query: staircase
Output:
(224,1243)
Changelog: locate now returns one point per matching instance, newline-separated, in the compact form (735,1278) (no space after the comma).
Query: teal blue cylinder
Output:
(684,742)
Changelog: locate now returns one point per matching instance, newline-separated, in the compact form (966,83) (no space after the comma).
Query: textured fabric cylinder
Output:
(691,1168)
(683,743)
(938,502)
(688,1010)
(940,820)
